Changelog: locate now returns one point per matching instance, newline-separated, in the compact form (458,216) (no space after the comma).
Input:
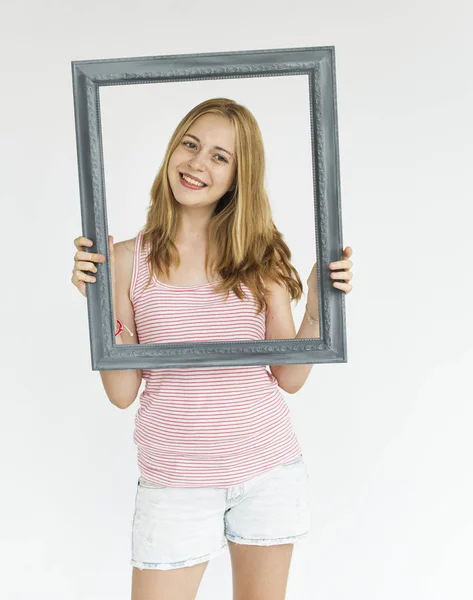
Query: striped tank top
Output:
(208,426)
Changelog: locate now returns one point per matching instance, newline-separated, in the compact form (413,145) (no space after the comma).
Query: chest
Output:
(191,270)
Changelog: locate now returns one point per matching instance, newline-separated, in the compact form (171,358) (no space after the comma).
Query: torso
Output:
(191,271)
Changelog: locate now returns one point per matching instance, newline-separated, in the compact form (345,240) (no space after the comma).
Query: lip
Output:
(193,177)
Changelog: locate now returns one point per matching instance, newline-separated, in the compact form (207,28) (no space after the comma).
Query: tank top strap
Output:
(140,273)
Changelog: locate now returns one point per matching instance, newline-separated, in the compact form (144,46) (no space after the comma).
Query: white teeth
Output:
(192,181)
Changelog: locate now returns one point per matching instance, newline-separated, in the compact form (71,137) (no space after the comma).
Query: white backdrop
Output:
(386,437)
(137,122)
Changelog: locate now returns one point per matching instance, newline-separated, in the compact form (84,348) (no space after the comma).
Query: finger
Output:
(85,266)
(346,287)
(81,276)
(82,241)
(341,264)
(89,256)
(342,275)
(347,252)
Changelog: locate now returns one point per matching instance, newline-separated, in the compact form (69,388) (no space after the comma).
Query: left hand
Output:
(340,270)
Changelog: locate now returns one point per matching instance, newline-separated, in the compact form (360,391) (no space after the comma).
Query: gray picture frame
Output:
(318,64)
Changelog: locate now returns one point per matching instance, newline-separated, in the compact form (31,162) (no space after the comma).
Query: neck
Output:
(193,228)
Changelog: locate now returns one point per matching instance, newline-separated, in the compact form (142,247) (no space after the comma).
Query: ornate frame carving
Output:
(318,63)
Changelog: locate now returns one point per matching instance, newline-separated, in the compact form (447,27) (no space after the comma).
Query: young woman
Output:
(220,465)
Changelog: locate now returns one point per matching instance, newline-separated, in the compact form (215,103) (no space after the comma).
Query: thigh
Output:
(274,508)
(260,572)
(175,584)
(176,527)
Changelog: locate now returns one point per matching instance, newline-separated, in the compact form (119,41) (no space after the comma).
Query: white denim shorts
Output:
(179,527)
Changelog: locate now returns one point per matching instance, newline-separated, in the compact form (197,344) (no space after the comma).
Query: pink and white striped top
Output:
(208,426)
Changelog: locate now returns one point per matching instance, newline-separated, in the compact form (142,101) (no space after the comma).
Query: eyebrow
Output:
(216,147)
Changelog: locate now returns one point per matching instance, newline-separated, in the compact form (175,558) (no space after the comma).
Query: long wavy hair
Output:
(242,236)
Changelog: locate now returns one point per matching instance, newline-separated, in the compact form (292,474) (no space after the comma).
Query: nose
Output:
(197,162)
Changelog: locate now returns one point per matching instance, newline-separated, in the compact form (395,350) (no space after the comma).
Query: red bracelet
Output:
(120,328)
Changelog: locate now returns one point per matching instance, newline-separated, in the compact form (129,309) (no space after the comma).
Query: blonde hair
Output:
(242,236)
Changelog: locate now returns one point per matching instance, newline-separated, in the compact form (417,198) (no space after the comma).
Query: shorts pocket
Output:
(294,462)
(143,483)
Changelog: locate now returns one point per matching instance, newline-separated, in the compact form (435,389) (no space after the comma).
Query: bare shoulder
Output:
(128,245)
(124,254)
(273,287)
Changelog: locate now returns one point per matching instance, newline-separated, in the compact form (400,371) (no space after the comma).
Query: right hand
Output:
(84,261)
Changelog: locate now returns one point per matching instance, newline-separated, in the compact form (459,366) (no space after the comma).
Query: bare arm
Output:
(122,386)
(280,326)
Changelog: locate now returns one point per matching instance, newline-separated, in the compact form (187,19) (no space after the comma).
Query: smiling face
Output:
(206,153)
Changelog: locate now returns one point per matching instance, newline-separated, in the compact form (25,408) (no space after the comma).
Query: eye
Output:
(220,155)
